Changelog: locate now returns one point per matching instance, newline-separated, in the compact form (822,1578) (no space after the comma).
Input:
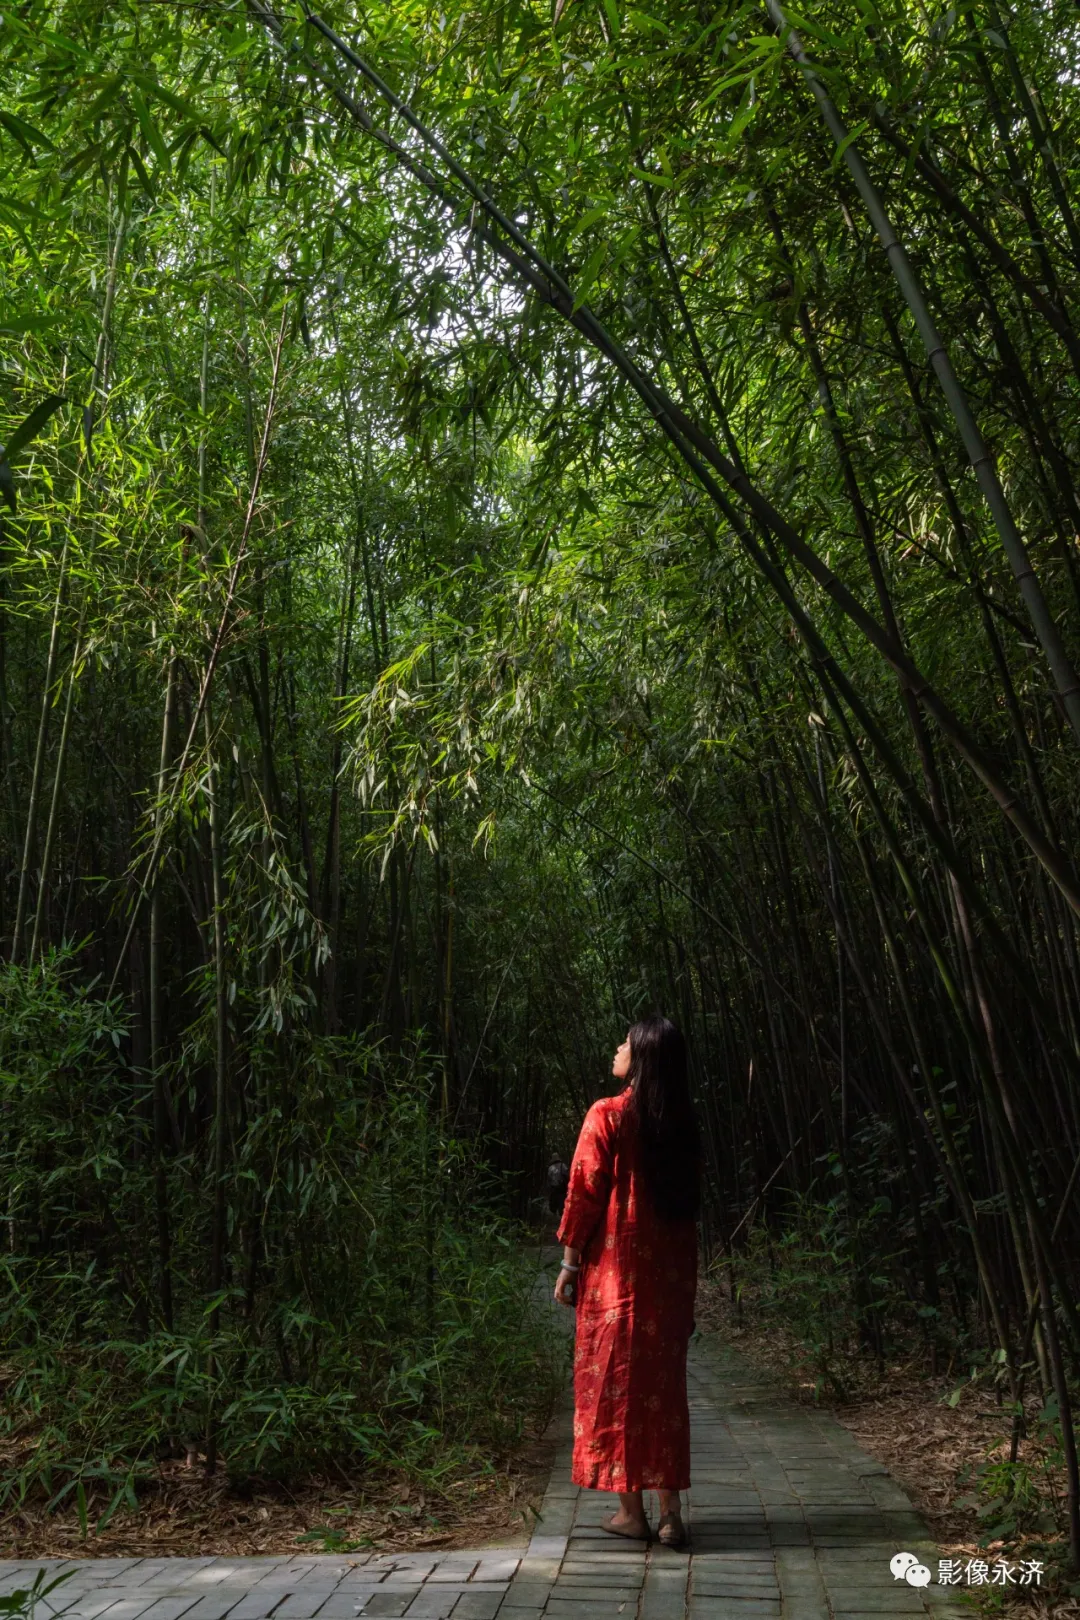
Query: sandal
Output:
(627,1535)
(670,1532)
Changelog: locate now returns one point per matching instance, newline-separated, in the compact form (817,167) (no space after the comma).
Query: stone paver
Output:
(789,1520)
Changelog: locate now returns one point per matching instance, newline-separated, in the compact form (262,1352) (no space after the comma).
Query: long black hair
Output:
(664,1113)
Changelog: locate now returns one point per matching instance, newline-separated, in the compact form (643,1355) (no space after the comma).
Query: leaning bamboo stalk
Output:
(965,939)
(1051,311)
(1064,508)
(1064,1398)
(156,930)
(99,387)
(1040,134)
(994,1097)
(982,462)
(36,779)
(1016,1155)
(58,777)
(157,1043)
(221,1076)
(1057,921)
(1038,237)
(330,883)
(956,1175)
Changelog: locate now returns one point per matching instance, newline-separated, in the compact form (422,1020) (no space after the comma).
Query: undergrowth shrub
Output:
(852,1271)
(825,1276)
(377,1307)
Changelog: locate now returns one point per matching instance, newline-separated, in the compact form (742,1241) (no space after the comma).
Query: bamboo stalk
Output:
(1040,135)
(54,803)
(982,462)
(36,779)
(221,1079)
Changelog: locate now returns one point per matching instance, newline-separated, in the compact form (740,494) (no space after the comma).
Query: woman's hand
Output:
(564,1287)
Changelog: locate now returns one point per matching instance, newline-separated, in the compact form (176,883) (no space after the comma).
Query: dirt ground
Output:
(186,1515)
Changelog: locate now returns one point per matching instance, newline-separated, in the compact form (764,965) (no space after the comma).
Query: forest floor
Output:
(901,1417)
(185,1514)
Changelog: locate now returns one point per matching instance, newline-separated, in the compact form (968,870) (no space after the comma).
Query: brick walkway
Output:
(789,1520)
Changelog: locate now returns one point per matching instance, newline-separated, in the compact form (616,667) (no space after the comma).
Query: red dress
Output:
(635,1313)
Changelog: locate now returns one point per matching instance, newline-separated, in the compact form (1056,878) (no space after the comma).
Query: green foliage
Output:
(18,441)
(1019,1499)
(332,1540)
(813,1276)
(1006,1498)
(395,1322)
(21,1604)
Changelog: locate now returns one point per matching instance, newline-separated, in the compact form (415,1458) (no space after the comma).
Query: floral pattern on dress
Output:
(635,1315)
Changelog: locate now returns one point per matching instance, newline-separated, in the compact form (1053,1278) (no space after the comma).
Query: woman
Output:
(630,1252)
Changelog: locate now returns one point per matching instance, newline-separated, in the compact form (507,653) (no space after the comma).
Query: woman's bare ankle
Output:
(631,1508)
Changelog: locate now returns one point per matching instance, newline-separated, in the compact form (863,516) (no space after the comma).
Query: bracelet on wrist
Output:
(568,1267)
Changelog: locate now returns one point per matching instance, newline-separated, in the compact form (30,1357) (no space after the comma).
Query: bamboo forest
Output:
(516,516)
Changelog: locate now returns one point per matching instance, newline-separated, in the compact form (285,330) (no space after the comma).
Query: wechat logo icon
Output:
(906,1567)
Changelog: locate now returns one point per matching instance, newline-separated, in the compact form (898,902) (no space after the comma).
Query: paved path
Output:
(789,1520)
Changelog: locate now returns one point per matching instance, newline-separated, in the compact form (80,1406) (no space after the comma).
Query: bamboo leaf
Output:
(26,134)
(149,128)
(852,135)
(743,118)
(623,247)
(105,97)
(18,324)
(611,11)
(589,273)
(588,219)
(665,181)
(32,425)
(646,22)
